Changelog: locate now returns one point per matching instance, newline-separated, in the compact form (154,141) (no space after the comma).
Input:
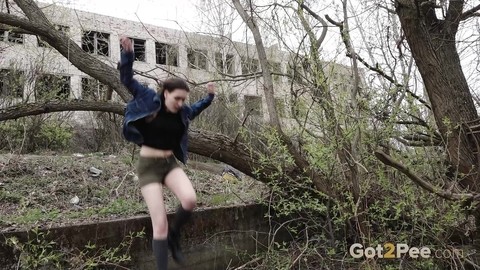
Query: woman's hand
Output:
(126,44)
(211,88)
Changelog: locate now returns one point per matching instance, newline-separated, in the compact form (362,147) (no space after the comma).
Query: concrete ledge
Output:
(212,240)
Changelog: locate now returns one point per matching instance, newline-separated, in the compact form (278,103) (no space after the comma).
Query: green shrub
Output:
(33,134)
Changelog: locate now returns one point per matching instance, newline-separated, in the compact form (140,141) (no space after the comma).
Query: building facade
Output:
(30,68)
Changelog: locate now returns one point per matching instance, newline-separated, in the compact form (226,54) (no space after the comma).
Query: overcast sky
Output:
(171,14)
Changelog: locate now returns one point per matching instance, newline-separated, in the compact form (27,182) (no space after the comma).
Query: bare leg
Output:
(178,182)
(153,196)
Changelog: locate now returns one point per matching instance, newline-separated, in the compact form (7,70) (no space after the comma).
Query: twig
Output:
(387,9)
(133,152)
(243,124)
(467,14)
(475,266)
(229,78)
(372,68)
(387,160)
(301,253)
(19,259)
(124,177)
(234,193)
(477,145)
(247,263)
(24,138)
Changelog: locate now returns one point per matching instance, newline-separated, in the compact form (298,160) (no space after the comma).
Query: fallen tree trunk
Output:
(217,146)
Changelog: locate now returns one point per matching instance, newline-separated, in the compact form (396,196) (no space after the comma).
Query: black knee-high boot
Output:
(160,251)
(181,217)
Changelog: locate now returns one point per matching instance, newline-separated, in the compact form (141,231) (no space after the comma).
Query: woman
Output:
(159,124)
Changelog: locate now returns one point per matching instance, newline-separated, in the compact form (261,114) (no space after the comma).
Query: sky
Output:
(175,14)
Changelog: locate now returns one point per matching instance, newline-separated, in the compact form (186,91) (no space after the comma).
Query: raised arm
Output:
(126,69)
(199,106)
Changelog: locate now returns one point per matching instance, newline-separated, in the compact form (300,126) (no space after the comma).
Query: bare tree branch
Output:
(376,68)
(419,140)
(262,57)
(423,137)
(418,123)
(470,13)
(387,160)
(238,155)
(39,24)
(301,162)
(321,20)
(27,109)
(414,143)
(22,23)
(387,9)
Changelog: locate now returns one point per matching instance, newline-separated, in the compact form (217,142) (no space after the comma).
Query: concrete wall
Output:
(212,240)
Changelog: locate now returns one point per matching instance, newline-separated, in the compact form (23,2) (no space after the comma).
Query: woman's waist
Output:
(148,151)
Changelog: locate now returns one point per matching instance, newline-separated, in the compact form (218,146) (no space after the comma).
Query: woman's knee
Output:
(189,202)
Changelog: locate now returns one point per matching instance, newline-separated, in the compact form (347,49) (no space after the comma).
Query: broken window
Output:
(49,86)
(93,89)
(225,63)
(11,83)
(166,54)
(249,65)
(11,36)
(96,43)
(14,37)
(295,73)
(253,105)
(276,69)
(138,49)
(197,59)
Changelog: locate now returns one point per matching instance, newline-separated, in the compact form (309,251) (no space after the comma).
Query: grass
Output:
(220,199)
(37,190)
(9,197)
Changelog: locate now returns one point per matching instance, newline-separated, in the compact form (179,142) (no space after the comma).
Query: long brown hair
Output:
(171,84)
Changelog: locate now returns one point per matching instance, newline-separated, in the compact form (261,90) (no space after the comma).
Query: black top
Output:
(163,132)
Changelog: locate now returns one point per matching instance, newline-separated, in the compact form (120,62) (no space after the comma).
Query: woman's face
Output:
(174,100)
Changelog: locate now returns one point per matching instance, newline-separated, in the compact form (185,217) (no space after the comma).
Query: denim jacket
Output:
(146,101)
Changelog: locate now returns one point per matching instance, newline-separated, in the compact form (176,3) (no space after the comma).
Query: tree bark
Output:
(28,109)
(231,152)
(433,45)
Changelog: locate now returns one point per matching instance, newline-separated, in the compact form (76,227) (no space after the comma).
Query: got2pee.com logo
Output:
(401,250)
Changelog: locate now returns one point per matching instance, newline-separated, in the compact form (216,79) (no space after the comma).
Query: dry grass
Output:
(37,190)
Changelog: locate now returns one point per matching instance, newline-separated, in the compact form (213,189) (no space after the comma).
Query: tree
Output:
(213,145)
(300,161)
(433,46)
(324,165)
(433,42)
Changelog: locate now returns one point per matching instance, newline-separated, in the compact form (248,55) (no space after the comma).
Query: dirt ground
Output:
(54,190)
